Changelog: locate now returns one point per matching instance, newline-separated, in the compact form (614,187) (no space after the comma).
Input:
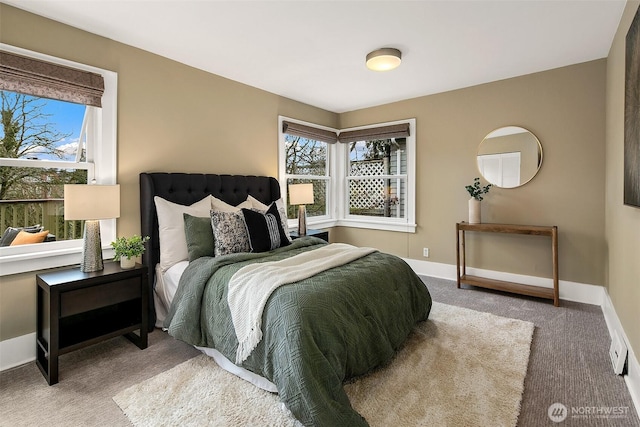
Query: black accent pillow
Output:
(199,235)
(265,230)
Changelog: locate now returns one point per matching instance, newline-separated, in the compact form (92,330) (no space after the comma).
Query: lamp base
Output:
(302,220)
(91,248)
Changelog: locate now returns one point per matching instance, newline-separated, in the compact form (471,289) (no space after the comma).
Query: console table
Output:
(533,230)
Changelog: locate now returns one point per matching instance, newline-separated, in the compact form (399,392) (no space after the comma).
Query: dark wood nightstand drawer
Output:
(86,299)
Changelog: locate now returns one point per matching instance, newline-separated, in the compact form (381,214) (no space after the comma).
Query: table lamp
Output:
(91,203)
(301,195)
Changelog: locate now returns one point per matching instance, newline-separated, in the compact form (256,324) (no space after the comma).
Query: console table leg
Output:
(554,251)
(464,255)
(458,255)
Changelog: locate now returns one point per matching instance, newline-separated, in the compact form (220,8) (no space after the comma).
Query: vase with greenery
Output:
(126,249)
(476,191)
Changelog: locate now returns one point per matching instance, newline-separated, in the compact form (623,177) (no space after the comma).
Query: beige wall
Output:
(174,118)
(622,222)
(564,108)
(171,117)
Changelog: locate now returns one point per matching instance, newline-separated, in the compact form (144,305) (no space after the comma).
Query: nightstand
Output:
(324,235)
(77,309)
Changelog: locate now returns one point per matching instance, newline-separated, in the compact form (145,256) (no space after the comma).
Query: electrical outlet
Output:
(618,353)
(425,252)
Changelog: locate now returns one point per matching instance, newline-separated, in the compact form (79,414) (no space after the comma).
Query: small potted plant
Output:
(476,191)
(127,249)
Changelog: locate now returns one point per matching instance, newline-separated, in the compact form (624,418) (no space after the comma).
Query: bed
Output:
(314,328)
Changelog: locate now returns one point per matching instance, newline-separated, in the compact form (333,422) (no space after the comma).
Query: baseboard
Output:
(17,351)
(569,291)
(633,368)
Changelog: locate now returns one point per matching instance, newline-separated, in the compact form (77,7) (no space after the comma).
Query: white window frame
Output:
(406,224)
(337,195)
(320,221)
(101,165)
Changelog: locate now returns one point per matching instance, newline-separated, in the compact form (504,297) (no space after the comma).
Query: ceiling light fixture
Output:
(384,59)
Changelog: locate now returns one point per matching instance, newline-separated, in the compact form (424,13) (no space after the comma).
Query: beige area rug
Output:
(461,367)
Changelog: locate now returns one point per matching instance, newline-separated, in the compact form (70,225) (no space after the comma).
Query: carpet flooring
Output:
(568,364)
(459,355)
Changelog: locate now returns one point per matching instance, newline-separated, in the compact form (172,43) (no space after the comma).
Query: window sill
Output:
(16,262)
(368,224)
(377,225)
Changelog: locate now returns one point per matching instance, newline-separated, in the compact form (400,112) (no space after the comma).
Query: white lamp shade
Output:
(384,59)
(87,202)
(301,194)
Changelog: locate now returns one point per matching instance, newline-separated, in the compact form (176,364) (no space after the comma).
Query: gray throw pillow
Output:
(199,235)
(229,233)
(9,234)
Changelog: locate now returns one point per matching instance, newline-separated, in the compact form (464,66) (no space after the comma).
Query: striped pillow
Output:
(265,229)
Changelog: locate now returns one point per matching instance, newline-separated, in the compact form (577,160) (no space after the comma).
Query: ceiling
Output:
(314,51)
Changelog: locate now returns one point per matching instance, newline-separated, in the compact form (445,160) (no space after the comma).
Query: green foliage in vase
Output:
(476,190)
(129,247)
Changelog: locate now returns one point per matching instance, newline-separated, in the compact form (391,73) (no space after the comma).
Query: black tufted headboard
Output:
(186,189)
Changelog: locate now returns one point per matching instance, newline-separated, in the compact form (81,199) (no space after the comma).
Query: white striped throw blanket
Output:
(252,285)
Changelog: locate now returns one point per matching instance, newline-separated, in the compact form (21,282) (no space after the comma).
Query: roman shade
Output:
(309,132)
(400,130)
(31,76)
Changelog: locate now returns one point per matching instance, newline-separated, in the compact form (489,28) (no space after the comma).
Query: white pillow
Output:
(173,243)
(220,206)
(257,204)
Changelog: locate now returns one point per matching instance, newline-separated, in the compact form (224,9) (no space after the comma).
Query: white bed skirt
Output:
(164,291)
(228,366)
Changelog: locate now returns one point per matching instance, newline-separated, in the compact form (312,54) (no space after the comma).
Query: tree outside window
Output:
(39,131)
(306,162)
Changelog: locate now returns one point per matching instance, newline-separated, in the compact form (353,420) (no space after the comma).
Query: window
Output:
(380,176)
(376,184)
(43,135)
(369,175)
(51,137)
(306,159)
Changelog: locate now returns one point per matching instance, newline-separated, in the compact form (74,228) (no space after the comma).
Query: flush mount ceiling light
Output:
(384,59)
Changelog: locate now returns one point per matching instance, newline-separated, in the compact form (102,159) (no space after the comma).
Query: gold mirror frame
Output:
(509,157)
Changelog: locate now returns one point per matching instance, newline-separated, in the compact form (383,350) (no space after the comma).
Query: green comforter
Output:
(318,332)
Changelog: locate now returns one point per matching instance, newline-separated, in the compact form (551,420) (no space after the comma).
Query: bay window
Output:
(366,173)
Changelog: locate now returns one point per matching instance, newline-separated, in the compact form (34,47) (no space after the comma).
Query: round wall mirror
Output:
(509,157)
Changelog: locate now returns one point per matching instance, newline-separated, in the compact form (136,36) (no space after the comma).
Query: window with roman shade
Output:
(378,176)
(306,160)
(40,158)
(368,175)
